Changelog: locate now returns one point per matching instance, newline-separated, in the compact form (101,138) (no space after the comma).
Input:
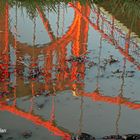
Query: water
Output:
(67,69)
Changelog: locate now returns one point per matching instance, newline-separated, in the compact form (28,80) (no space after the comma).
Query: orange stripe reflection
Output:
(36,120)
(46,23)
(6,28)
(104,35)
(95,96)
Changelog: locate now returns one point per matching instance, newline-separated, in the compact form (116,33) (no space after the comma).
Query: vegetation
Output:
(126,11)
(129,8)
(50,5)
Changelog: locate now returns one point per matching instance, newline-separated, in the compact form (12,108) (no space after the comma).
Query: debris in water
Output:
(91,64)
(113,137)
(35,73)
(117,71)
(112,60)
(131,137)
(83,136)
(27,134)
(78,59)
(130,73)
(40,106)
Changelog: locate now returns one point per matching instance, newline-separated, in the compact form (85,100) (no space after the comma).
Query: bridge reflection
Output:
(50,66)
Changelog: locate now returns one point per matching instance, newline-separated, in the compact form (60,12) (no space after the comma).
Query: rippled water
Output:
(67,70)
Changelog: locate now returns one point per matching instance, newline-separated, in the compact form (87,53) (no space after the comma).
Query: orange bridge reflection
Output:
(77,35)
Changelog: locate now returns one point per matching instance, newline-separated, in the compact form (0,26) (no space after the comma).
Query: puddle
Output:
(67,71)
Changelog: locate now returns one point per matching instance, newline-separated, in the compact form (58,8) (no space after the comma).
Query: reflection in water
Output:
(119,9)
(121,95)
(64,63)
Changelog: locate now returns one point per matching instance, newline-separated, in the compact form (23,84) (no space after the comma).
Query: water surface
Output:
(67,69)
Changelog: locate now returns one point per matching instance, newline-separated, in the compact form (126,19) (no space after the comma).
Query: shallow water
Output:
(66,71)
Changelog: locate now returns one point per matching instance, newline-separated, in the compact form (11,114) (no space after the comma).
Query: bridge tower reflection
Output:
(4,48)
(57,46)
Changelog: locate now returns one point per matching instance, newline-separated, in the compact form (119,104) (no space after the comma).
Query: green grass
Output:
(131,6)
(128,8)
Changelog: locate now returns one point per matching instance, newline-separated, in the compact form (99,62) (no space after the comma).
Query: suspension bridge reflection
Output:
(47,68)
